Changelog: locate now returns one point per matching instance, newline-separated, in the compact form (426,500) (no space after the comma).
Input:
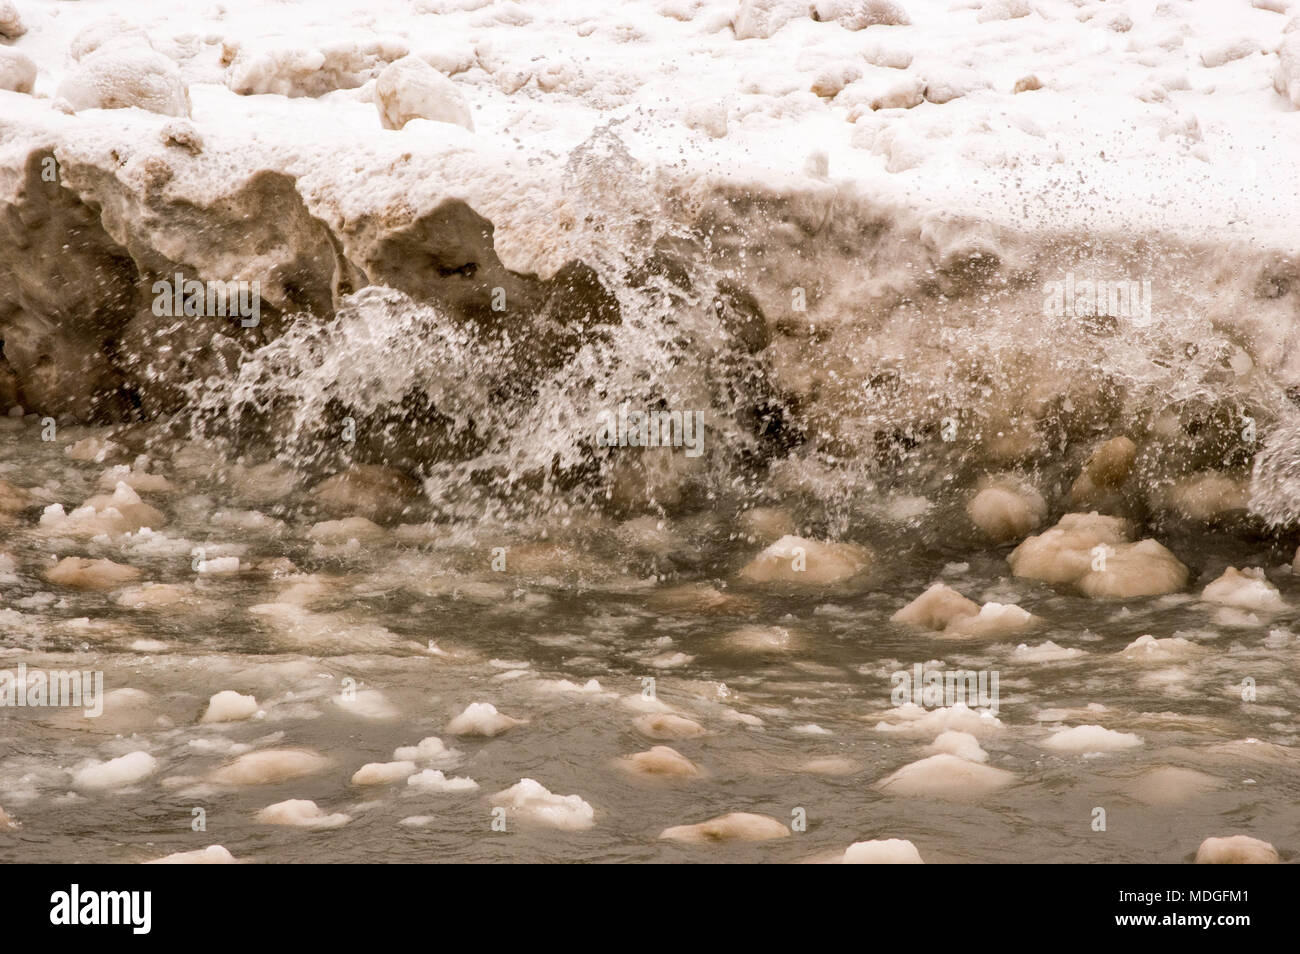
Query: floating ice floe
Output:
(383,773)
(659,761)
(529,802)
(482,718)
(913,720)
(1092,552)
(347,530)
(218,566)
(811,562)
(270,766)
(116,773)
(104,514)
(1047,651)
(666,725)
(137,480)
(370,704)
(945,776)
(155,596)
(433,780)
(1149,649)
(230,706)
(301,813)
(736,826)
(564,687)
(85,574)
(428,749)
(943,609)
(1244,589)
(1091,738)
(961,744)
(887,851)
(1006,511)
(1236,850)
(211,855)
(761,639)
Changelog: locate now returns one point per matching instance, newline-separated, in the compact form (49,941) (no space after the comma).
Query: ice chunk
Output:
(736,826)
(888,851)
(945,776)
(300,813)
(1236,850)
(482,718)
(530,802)
(798,560)
(432,780)
(270,766)
(230,706)
(412,89)
(116,773)
(211,855)
(1091,738)
(382,773)
(120,77)
(1245,589)
(659,761)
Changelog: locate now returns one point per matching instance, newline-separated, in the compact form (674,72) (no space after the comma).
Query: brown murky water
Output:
(364,646)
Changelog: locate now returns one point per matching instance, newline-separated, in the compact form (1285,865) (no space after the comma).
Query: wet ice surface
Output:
(373,651)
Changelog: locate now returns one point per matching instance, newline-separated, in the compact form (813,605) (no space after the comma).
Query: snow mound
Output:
(309,71)
(412,89)
(17,71)
(122,77)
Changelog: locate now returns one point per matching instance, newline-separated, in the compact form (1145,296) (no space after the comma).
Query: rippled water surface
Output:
(791,686)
